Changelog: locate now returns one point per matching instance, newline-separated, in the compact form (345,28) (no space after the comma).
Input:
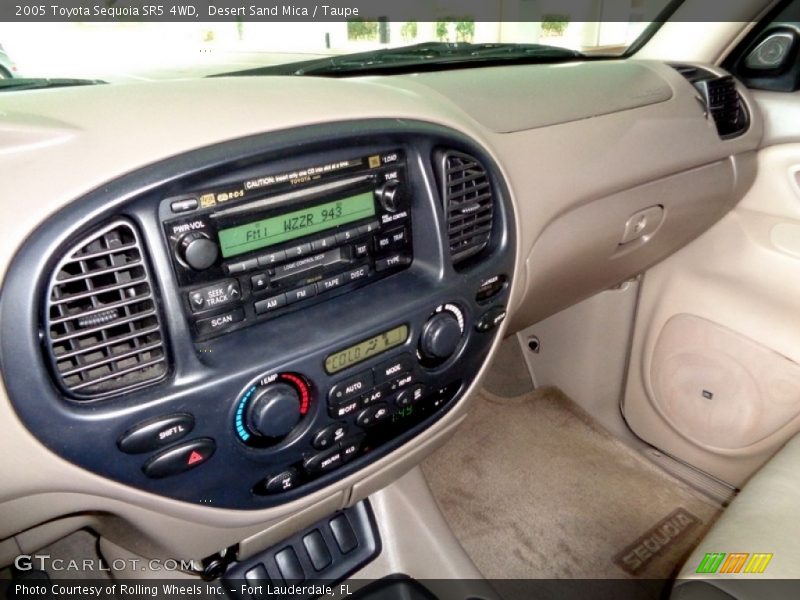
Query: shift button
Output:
(155,433)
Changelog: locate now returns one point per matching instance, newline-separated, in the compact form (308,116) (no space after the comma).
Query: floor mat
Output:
(533,488)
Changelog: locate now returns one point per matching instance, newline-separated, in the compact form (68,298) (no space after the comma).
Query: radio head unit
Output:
(254,249)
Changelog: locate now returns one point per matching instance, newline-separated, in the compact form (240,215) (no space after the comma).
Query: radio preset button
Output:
(259,283)
(330,284)
(351,388)
(268,304)
(393,368)
(348,235)
(326,243)
(302,293)
(370,227)
(328,437)
(237,267)
(373,415)
(267,260)
(391,261)
(298,251)
(219,322)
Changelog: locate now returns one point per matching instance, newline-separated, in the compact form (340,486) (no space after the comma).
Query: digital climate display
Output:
(365,349)
(295,224)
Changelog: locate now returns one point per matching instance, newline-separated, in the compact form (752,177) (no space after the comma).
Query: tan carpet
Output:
(533,488)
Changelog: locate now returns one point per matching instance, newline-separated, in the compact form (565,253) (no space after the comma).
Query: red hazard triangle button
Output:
(180,458)
(194,458)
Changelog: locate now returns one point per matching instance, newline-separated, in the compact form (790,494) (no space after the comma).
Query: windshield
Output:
(136,51)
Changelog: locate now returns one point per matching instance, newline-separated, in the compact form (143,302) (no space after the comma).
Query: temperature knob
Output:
(197,250)
(269,411)
(274,411)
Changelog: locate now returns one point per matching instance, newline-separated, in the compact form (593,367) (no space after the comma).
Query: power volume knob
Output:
(198,251)
(441,335)
(390,195)
(274,411)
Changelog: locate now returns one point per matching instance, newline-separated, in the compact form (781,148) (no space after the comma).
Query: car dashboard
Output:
(231,306)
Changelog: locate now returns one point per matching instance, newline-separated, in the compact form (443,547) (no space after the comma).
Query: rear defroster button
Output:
(179,459)
(374,415)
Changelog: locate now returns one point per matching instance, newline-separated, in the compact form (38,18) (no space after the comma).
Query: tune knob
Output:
(274,411)
(441,334)
(390,195)
(198,250)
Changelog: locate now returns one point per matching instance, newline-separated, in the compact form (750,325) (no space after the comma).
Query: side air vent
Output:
(103,329)
(725,105)
(721,98)
(468,204)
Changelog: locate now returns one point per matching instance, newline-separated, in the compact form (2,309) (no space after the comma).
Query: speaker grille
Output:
(468,203)
(103,328)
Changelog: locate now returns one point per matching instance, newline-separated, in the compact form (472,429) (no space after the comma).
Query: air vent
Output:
(723,101)
(468,203)
(725,105)
(103,329)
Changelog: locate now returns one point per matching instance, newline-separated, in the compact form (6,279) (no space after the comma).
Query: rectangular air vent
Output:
(725,105)
(723,101)
(103,328)
(468,204)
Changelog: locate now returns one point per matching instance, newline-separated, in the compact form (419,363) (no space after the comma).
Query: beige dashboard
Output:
(583,149)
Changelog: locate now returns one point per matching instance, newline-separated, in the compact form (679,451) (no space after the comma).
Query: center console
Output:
(250,322)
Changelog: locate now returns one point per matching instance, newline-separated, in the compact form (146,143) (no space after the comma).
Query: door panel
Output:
(714,375)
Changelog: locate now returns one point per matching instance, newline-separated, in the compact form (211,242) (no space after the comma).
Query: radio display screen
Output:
(368,348)
(295,224)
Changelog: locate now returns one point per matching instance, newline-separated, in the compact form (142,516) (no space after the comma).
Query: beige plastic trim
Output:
(418,542)
(736,276)
(583,350)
